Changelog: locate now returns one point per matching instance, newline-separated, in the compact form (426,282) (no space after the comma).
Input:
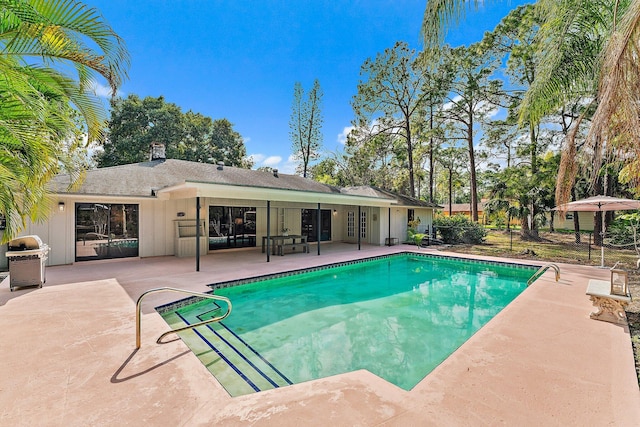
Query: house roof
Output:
(146,178)
(402,200)
(172,178)
(463,207)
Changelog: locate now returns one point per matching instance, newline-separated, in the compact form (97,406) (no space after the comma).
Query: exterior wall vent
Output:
(220,166)
(275,173)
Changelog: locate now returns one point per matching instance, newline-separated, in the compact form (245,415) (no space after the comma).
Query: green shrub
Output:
(414,237)
(459,229)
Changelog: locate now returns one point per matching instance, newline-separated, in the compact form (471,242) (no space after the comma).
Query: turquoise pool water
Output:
(398,317)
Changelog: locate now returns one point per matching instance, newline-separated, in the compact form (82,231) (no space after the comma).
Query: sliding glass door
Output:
(105,231)
(310,224)
(232,227)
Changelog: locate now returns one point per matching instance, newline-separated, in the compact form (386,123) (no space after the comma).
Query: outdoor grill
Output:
(27,256)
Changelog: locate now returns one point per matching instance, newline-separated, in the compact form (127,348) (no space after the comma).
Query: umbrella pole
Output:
(601,236)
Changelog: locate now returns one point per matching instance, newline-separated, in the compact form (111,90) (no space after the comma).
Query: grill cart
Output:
(27,256)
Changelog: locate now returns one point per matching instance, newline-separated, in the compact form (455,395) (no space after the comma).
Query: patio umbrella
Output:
(600,204)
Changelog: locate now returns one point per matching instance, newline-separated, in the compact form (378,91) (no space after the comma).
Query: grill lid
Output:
(25,243)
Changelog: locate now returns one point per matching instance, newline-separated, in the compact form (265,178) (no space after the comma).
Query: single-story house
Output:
(465,209)
(152,208)
(565,222)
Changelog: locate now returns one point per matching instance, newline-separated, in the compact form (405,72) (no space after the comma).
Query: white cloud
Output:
(290,165)
(263,160)
(342,137)
(449,105)
(287,166)
(272,161)
(103,91)
(257,158)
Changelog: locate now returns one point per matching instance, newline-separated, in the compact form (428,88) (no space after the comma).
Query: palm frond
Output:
(617,118)
(440,15)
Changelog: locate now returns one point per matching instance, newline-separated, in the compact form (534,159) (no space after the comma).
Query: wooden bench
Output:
(292,246)
(610,306)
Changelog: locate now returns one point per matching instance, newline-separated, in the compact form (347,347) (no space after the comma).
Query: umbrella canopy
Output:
(599,204)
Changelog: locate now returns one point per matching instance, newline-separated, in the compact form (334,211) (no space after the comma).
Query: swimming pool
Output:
(398,316)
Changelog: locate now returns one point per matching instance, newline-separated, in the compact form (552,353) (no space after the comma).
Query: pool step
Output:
(238,368)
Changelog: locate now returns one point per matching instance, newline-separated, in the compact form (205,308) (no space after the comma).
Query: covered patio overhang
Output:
(189,190)
(196,190)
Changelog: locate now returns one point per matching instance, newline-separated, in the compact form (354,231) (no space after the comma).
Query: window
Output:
(351,224)
(568,216)
(106,231)
(363,224)
(411,214)
(310,224)
(232,227)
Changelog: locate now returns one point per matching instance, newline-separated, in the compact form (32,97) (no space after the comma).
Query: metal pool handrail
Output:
(541,271)
(184,328)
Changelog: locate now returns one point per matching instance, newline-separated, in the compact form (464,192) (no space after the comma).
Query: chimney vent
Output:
(275,173)
(220,166)
(157,151)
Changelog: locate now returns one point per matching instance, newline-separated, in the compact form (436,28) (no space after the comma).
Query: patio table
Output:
(281,240)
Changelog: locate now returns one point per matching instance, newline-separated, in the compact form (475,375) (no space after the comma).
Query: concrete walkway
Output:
(68,358)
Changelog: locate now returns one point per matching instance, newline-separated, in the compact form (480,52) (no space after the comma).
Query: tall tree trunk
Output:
(597,221)
(524,227)
(472,166)
(450,191)
(412,186)
(576,218)
(431,160)
(534,170)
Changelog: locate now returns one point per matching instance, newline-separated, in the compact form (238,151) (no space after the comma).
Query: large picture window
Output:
(310,224)
(105,231)
(232,227)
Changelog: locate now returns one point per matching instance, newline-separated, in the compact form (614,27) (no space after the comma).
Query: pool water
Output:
(398,317)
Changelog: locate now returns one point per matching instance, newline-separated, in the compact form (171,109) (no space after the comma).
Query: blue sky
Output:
(240,59)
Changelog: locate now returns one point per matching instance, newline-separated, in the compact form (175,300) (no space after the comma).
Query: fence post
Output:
(589,246)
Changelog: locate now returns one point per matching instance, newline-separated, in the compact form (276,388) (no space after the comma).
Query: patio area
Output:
(68,356)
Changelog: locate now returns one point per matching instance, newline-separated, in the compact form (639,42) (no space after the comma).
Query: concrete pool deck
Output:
(67,357)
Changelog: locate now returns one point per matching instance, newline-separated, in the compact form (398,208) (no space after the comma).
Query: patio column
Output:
(198,233)
(318,223)
(359,225)
(389,232)
(268,230)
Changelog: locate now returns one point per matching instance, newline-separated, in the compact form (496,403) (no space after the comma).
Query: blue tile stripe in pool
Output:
(222,356)
(254,351)
(239,353)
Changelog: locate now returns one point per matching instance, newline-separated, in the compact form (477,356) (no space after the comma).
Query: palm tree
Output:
(589,51)
(40,102)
